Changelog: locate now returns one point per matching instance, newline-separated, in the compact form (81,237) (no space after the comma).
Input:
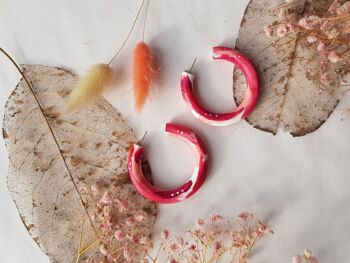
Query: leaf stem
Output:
(50,129)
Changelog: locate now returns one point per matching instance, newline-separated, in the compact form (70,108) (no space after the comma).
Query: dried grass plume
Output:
(89,87)
(143,71)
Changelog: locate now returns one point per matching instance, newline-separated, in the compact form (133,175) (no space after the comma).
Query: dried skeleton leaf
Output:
(54,158)
(292,99)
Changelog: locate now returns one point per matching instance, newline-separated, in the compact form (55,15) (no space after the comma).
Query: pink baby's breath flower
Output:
(325,78)
(297,259)
(334,57)
(282,31)
(123,205)
(95,189)
(321,46)
(216,218)
(192,247)
(107,211)
(217,246)
(140,215)
(334,7)
(311,39)
(120,235)
(165,234)
(174,247)
(83,189)
(199,223)
(264,229)
(144,240)
(344,9)
(268,31)
(130,221)
(107,198)
(245,216)
(309,22)
(172,260)
(104,249)
(292,26)
(313,260)
(238,239)
(343,82)
(180,241)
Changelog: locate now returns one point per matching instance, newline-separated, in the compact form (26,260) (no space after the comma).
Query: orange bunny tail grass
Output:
(89,87)
(143,73)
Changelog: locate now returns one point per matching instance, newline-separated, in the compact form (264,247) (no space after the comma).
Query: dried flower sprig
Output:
(214,240)
(123,228)
(328,32)
(307,257)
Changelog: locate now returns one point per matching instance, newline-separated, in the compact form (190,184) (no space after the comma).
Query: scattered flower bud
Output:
(165,234)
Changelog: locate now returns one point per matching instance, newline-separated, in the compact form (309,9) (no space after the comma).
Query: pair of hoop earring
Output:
(155,194)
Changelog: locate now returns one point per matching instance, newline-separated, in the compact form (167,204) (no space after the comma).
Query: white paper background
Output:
(298,185)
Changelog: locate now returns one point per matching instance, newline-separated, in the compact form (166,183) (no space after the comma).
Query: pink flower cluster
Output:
(122,223)
(328,32)
(307,257)
(214,240)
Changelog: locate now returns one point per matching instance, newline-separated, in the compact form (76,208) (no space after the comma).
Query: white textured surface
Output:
(299,186)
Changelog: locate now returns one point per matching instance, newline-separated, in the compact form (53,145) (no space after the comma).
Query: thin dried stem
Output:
(129,34)
(145,20)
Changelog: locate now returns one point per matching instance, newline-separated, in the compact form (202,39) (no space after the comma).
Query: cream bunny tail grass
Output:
(89,87)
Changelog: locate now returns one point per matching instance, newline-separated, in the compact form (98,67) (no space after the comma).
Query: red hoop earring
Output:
(247,105)
(158,195)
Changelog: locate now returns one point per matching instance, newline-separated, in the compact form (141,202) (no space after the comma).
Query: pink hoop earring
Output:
(243,110)
(158,195)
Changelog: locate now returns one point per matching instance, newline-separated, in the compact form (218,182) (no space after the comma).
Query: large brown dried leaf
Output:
(291,98)
(47,170)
